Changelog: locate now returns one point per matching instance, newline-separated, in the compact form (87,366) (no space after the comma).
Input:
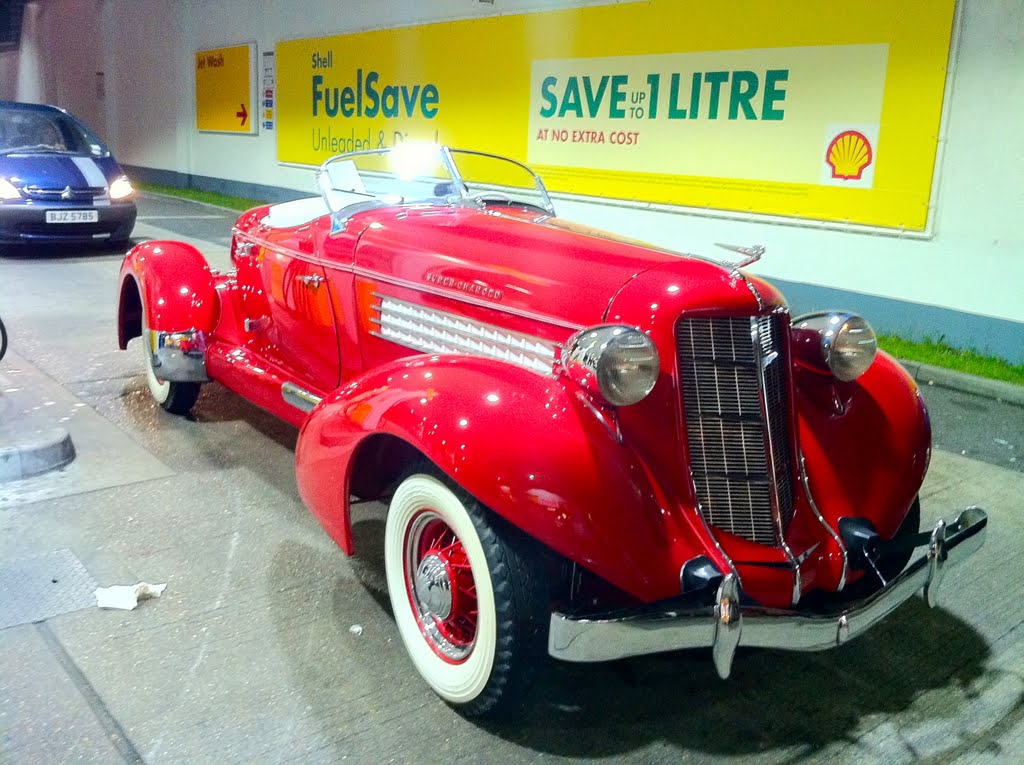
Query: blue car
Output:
(58,182)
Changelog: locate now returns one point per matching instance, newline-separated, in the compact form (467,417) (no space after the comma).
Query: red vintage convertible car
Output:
(591,447)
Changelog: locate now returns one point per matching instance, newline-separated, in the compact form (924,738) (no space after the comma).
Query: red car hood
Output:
(552,268)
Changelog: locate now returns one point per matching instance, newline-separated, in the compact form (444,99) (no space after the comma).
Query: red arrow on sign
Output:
(243,114)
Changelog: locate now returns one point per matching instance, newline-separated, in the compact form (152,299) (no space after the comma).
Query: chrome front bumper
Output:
(726,625)
(178,356)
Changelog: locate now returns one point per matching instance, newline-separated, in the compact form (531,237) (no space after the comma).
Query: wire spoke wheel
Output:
(439,580)
(467,604)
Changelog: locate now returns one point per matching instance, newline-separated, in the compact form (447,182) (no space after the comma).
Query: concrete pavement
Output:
(248,656)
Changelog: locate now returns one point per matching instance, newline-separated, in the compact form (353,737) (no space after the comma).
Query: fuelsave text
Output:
(369,97)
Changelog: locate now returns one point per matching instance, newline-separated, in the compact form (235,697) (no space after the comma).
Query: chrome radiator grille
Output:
(735,396)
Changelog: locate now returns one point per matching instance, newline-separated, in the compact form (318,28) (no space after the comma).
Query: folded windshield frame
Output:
(344,186)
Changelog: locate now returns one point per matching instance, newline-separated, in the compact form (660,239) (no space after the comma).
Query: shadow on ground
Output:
(215,435)
(774,700)
(69,251)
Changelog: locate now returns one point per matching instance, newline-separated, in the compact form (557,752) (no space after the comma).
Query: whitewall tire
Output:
(175,397)
(467,605)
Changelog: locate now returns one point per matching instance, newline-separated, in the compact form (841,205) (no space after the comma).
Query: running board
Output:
(299,398)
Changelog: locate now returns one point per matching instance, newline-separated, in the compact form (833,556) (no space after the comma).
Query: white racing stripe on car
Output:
(90,171)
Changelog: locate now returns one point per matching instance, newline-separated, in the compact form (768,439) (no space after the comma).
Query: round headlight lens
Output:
(619,363)
(852,349)
(839,343)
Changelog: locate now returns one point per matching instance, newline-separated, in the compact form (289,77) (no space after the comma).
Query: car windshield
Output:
(29,130)
(412,173)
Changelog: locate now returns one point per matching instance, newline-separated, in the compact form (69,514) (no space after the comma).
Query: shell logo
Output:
(848,155)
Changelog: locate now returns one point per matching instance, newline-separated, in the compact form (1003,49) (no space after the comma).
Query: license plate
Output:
(72,216)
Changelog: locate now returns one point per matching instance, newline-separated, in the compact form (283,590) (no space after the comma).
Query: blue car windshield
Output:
(30,131)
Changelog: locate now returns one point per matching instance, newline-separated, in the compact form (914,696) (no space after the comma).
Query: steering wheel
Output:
(487,197)
(502,199)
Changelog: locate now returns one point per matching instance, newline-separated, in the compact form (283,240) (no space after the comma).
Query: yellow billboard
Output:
(794,108)
(225,80)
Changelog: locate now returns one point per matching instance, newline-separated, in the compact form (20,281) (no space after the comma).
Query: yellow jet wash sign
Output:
(794,108)
(225,83)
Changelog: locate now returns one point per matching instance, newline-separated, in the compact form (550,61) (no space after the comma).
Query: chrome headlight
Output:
(7,190)
(841,343)
(121,188)
(616,362)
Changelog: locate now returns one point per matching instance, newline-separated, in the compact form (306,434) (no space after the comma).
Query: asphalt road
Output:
(252,653)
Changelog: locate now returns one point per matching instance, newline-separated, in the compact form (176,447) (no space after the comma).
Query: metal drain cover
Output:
(37,587)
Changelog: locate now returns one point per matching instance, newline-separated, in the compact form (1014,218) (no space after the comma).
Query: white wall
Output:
(974,262)
(148,82)
(9,61)
(59,57)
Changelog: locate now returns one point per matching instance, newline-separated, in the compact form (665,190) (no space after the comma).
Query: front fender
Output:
(525,445)
(173,284)
(867,443)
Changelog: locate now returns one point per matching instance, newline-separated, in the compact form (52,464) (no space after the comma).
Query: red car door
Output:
(299,333)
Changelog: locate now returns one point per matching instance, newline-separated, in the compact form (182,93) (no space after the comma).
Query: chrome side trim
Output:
(429,289)
(299,397)
(178,356)
(724,625)
(462,297)
(821,519)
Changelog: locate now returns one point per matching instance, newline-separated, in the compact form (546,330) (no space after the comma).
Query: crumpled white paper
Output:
(127,596)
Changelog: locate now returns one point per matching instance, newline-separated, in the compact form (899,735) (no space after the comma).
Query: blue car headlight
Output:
(7,190)
(121,188)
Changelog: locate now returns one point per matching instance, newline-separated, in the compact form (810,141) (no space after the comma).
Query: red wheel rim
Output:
(440,585)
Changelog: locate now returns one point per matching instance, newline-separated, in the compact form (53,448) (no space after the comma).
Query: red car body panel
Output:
(608,490)
(176,285)
(555,471)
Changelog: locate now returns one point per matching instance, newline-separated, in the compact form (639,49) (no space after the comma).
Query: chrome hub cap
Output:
(440,584)
(433,587)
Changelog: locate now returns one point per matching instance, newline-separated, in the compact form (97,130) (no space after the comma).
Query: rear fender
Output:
(525,445)
(169,288)
(173,283)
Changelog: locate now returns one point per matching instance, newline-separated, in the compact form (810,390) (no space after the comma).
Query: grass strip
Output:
(940,354)
(207,197)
